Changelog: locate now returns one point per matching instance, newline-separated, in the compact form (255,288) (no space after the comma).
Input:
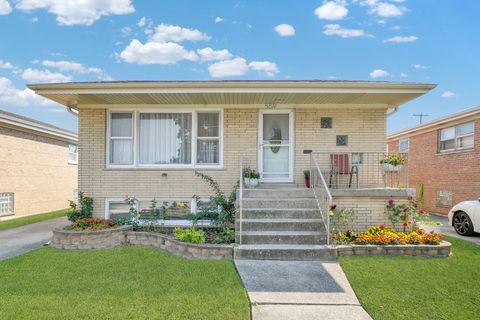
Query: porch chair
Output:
(340,165)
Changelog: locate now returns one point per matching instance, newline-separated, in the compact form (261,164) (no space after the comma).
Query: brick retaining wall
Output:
(442,250)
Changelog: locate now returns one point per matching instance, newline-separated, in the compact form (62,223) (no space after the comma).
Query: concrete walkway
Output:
(16,241)
(299,290)
(450,231)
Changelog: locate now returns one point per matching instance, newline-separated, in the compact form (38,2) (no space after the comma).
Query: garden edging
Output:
(114,237)
(442,250)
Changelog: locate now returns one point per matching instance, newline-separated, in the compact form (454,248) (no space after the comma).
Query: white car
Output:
(465,217)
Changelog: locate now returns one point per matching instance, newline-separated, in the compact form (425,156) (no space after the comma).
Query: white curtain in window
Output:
(121,151)
(165,138)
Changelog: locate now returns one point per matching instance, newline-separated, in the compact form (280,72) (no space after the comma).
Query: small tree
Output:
(85,210)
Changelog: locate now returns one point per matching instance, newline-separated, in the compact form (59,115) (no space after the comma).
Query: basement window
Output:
(342,141)
(326,123)
(6,203)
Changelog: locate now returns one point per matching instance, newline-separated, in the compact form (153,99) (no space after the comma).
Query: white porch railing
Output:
(321,192)
(240,201)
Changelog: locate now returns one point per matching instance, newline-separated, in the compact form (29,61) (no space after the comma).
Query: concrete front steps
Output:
(281,222)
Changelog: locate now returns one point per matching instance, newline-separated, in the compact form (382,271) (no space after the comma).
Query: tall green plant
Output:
(225,204)
(85,210)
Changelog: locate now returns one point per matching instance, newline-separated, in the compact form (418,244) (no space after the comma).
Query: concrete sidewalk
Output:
(16,241)
(299,290)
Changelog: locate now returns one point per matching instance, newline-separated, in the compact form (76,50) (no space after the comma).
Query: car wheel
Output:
(462,224)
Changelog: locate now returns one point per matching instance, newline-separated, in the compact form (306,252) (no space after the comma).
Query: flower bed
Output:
(442,250)
(91,224)
(89,239)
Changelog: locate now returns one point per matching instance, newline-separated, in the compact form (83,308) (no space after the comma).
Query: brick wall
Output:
(457,172)
(365,127)
(36,169)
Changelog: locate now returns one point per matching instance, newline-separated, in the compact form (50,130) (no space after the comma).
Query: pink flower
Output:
(421,211)
(390,201)
(333,207)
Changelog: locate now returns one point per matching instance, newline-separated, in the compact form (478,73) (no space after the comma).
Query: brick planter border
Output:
(85,240)
(442,250)
(180,248)
(72,239)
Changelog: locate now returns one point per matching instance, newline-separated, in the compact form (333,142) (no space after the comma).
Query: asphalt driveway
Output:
(449,231)
(16,241)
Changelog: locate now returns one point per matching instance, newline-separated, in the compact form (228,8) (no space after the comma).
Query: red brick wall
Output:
(458,172)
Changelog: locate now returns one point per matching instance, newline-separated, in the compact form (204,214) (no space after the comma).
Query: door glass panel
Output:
(276,149)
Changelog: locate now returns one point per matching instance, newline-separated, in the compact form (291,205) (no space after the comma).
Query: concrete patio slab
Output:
(299,290)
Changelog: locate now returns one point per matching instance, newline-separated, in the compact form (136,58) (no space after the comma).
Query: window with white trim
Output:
(165,139)
(457,138)
(72,154)
(404,145)
(6,203)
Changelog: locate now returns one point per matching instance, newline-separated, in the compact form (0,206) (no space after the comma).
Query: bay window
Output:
(457,138)
(165,139)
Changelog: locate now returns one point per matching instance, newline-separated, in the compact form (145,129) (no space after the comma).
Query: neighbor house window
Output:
(326,123)
(457,138)
(72,154)
(168,139)
(6,203)
(404,145)
(121,138)
(342,141)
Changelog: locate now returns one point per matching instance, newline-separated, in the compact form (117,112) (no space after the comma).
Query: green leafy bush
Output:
(226,235)
(85,210)
(191,235)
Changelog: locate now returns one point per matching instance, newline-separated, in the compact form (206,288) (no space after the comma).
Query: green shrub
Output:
(189,235)
(226,235)
(86,208)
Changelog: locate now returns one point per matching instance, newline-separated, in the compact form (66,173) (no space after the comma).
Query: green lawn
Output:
(18,222)
(419,288)
(129,282)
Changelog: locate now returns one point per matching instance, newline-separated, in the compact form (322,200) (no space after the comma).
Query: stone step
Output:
(274,224)
(276,185)
(292,213)
(285,252)
(297,203)
(283,237)
(289,193)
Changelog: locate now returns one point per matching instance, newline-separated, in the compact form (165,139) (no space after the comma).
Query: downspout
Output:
(72,111)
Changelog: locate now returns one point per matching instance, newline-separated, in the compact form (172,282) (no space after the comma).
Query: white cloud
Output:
(332,10)
(337,30)
(166,32)
(38,76)
(379,73)
(218,19)
(228,68)
(126,31)
(400,39)
(387,10)
(285,30)
(266,67)
(71,12)
(71,66)
(11,95)
(5,7)
(448,94)
(156,53)
(403,75)
(396,28)
(420,66)
(6,65)
(142,22)
(208,54)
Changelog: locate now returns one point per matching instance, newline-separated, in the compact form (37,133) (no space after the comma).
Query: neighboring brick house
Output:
(444,156)
(147,138)
(38,166)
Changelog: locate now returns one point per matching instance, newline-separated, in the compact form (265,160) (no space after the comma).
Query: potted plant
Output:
(306,174)
(393,162)
(250,177)
(431,226)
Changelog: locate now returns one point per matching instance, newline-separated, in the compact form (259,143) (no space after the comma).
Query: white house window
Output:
(121,138)
(208,138)
(458,137)
(72,154)
(404,145)
(6,203)
(165,139)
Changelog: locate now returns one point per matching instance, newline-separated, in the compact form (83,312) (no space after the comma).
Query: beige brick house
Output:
(38,166)
(148,138)
(444,156)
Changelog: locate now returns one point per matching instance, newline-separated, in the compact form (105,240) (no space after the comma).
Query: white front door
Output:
(275,156)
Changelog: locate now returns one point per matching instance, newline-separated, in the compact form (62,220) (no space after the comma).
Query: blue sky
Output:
(433,41)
